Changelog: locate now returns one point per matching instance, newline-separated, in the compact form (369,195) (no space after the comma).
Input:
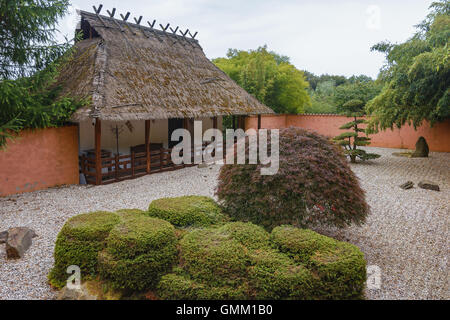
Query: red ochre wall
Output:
(39,159)
(438,137)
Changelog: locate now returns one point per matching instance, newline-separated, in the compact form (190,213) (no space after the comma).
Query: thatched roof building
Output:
(134,72)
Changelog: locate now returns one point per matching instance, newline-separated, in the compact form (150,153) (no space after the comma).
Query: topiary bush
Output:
(128,249)
(248,234)
(138,251)
(314,186)
(79,242)
(243,261)
(196,211)
(339,265)
(274,275)
(126,254)
(213,256)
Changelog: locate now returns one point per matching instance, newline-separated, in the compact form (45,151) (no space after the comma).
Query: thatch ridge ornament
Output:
(138,21)
(125,18)
(162,27)
(138,24)
(97,11)
(111,14)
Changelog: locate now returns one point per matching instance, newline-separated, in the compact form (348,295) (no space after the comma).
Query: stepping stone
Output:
(428,185)
(407,185)
(18,242)
(3,237)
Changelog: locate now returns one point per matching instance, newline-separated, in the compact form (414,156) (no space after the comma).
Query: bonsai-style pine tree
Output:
(351,140)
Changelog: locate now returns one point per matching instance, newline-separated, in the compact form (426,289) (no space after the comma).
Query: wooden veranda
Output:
(104,168)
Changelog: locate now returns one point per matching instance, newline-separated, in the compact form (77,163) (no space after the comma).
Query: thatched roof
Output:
(132,72)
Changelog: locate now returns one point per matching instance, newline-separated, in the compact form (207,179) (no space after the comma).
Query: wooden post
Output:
(116,166)
(132,164)
(147,144)
(83,164)
(214,122)
(234,122)
(98,151)
(259,121)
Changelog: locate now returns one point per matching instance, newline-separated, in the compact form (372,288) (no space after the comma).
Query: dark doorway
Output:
(173,125)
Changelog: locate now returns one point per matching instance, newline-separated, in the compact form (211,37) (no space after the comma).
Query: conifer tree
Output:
(29,59)
(352,140)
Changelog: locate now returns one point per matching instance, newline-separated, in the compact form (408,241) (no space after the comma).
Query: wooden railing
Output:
(134,165)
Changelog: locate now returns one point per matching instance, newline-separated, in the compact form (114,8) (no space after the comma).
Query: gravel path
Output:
(406,234)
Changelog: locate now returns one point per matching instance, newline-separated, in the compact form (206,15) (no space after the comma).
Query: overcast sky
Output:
(321,36)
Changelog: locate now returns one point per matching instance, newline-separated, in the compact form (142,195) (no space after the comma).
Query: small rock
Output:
(3,236)
(428,185)
(422,149)
(203,165)
(407,185)
(76,294)
(19,240)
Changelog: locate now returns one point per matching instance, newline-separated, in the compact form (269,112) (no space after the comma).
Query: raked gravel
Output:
(406,234)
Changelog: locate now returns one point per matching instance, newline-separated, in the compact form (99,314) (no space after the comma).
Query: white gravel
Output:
(406,234)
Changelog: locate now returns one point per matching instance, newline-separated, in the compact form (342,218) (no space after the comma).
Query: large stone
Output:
(407,185)
(422,149)
(18,242)
(428,185)
(3,236)
(76,294)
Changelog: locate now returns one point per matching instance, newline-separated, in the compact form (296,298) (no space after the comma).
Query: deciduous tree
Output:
(270,77)
(416,75)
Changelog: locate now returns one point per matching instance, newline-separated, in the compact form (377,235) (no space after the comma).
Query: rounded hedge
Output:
(181,287)
(196,211)
(138,251)
(340,266)
(274,275)
(226,263)
(134,253)
(213,256)
(314,186)
(248,234)
(78,243)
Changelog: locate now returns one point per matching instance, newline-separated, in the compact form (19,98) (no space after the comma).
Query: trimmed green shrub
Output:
(138,251)
(276,276)
(227,263)
(177,287)
(79,242)
(299,244)
(196,211)
(213,256)
(314,186)
(339,265)
(129,253)
(248,234)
